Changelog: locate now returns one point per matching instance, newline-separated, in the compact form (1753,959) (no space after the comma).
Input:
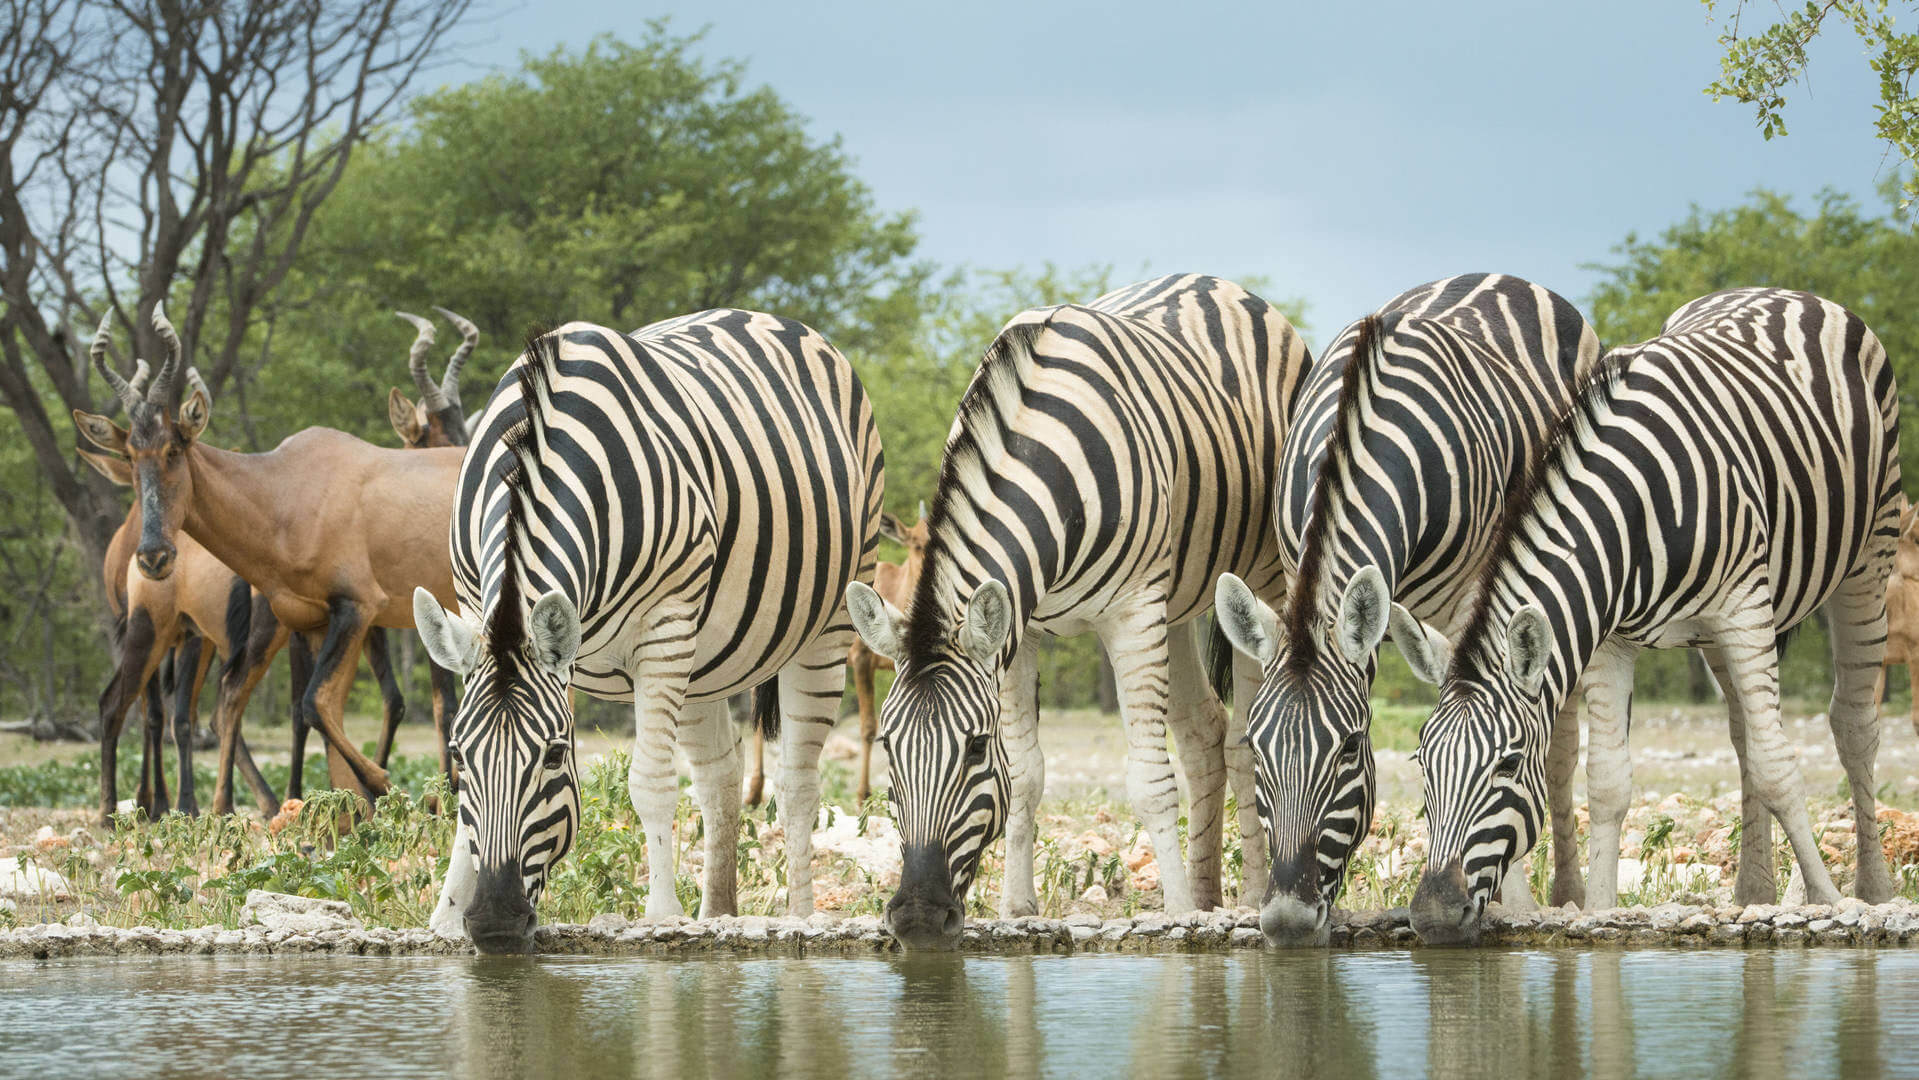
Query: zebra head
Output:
(1310,733)
(951,781)
(512,742)
(1483,758)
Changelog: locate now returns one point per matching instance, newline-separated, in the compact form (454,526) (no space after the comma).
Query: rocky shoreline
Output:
(284,925)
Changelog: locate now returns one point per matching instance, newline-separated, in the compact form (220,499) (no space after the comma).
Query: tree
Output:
(147,145)
(1757,67)
(619,184)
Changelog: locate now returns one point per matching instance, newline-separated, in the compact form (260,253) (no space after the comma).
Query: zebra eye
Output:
(1349,749)
(976,750)
(555,755)
(453,756)
(1508,766)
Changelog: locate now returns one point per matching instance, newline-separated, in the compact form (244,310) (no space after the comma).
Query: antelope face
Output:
(156,446)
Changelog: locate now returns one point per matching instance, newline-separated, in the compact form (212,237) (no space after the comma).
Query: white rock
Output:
(877,851)
(273,912)
(31,880)
(1094,894)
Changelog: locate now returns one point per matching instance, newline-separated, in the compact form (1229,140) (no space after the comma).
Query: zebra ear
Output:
(1528,644)
(554,630)
(877,621)
(1426,650)
(989,617)
(449,641)
(1363,613)
(1248,623)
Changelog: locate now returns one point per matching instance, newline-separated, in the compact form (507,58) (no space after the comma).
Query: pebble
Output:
(320,928)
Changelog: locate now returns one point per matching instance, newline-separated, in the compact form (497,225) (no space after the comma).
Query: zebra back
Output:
(1412,448)
(1107,445)
(726,460)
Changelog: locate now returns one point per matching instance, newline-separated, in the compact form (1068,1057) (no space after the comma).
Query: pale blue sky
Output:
(1344,151)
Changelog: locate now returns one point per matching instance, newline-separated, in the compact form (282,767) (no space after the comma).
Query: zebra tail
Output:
(766,708)
(1219,663)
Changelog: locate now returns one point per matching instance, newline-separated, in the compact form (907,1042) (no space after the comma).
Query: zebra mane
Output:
(506,626)
(929,625)
(1303,604)
(1592,391)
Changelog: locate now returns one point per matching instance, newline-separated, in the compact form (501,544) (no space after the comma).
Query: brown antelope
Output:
(895,582)
(438,419)
(335,532)
(1902,607)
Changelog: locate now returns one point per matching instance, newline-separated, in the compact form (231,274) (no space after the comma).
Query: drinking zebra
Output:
(1108,463)
(666,518)
(1409,432)
(1711,487)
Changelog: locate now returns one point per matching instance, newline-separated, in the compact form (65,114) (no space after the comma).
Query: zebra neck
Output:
(1578,627)
(949,578)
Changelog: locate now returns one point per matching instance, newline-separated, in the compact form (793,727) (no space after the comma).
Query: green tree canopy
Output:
(622,184)
(1760,62)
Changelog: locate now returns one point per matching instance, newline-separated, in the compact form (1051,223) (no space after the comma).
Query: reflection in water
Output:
(1309,1013)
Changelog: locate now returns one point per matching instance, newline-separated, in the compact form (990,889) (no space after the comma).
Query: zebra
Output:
(666,518)
(1408,434)
(1711,487)
(1107,463)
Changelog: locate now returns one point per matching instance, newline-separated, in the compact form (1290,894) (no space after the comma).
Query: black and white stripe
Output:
(667,517)
(1711,487)
(1109,461)
(1409,433)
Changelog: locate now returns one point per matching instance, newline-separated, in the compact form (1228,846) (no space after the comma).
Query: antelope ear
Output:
(877,621)
(1247,621)
(101,432)
(554,628)
(400,413)
(1426,650)
(1528,644)
(448,639)
(989,618)
(892,528)
(112,466)
(194,414)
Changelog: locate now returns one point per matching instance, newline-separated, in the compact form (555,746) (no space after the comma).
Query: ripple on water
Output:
(1253,1013)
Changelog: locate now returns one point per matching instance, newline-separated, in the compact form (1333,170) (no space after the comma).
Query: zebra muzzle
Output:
(1444,911)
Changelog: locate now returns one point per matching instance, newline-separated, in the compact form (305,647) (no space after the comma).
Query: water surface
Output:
(1800,1013)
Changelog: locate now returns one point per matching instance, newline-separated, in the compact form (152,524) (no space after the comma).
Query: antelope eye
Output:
(555,755)
(976,749)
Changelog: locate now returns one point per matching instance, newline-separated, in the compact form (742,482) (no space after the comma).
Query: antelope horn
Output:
(141,369)
(196,382)
(450,383)
(129,397)
(430,395)
(161,392)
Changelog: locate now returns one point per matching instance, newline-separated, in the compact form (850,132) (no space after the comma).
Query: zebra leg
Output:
(659,690)
(1239,774)
(1856,618)
(1198,722)
(811,685)
(1135,641)
(1752,660)
(1755,883)
(456,892)
(1608,686)
(1562,761)
(711,742)
(1516,892)
(1019,731)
